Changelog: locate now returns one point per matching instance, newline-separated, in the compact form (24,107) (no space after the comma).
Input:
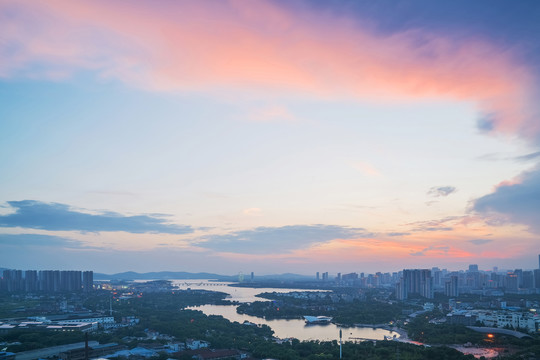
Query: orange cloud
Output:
(216,45)
(357,250)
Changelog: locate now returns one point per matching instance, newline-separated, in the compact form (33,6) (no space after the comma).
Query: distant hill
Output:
(169,275)
(161,275)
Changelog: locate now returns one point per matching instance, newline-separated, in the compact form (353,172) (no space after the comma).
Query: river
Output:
(294,328)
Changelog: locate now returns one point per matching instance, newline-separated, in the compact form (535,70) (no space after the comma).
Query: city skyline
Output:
(269,136)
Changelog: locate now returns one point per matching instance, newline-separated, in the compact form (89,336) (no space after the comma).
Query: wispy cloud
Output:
(366,168)
(432,250)
(33,240)
(507,157)
(284,50)
(480,241)
(60,217)
(439,191)
(265,240)
(252,212)
(528,157)
(398,234)
(445,224)
(274,113)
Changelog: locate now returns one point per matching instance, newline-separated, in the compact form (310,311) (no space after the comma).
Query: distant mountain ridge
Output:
(170,275)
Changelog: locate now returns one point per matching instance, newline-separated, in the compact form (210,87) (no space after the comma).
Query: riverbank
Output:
(477,352)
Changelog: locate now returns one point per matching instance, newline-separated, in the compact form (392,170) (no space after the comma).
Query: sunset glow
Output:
(268,136)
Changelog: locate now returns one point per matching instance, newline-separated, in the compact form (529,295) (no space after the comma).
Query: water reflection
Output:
(282,328)
(240,294)
(297,328)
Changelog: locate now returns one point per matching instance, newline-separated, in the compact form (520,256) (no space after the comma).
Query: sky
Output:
(276,136)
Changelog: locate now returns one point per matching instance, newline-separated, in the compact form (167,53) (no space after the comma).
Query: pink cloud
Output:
(359,250)
(216,45)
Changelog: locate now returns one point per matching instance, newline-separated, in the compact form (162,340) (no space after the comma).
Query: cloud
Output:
(445,224)
(398,234)
(432,250)
(480,241)
(59,217)
(252,212)
(441,191)
(486,123)
(264,240)
(506,157)
(272,114)
(33,240)
(518,201)
(528,157)
(366,168)
(267,46)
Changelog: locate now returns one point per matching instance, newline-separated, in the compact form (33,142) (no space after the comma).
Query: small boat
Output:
(317,319)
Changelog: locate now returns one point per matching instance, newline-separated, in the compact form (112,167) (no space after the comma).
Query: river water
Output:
(295,328)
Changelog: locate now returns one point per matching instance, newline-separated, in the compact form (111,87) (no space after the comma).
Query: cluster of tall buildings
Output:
(46,281)
(426,282)
(415,281)
(324,276)
(474,280)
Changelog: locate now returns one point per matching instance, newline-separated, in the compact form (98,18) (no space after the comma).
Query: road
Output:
(50,351)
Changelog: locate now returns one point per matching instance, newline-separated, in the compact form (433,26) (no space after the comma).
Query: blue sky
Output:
(270,136)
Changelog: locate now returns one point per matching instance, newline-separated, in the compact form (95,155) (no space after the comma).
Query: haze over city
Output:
(269,136)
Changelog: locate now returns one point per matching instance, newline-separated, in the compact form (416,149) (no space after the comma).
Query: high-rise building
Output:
(13,280)
(325,276)
(70,281)
(417,281)
(536,278)
(437,277)
(31,281)
(46,281)
(318,276)
(511,282)
(519,273)
(401,290)
(422,283)
(473,268)
(88,281)
(451,287)
(527,280)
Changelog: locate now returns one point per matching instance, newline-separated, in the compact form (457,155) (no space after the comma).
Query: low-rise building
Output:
(527,321)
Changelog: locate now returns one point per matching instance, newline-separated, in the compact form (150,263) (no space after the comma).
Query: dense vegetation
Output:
(367,310)
(166,313)
(380,350)
(420,329)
